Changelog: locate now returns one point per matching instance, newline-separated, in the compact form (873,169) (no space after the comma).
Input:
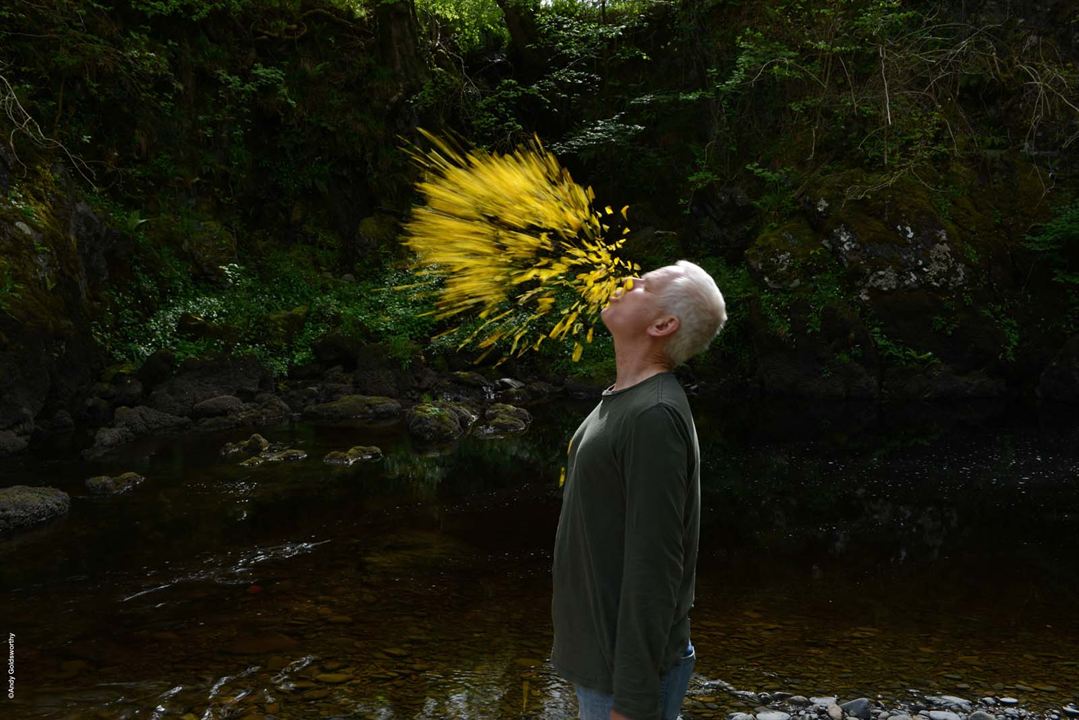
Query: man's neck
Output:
(635,367)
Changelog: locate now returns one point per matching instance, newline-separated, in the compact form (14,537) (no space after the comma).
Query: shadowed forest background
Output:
(884,191)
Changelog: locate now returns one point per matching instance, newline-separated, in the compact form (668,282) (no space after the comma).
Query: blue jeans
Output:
(596,705)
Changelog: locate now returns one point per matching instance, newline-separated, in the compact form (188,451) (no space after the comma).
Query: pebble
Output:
(1071,710)
(1008,701)
(739,716)
(799,700)
(822,701)
(860,709)
(981,715)
(333,678)
(988,701)
(899,716)
(835,712)
(773,715)
(955,701)
(942,715)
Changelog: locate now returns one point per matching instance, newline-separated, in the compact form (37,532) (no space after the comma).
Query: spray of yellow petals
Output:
(516,243)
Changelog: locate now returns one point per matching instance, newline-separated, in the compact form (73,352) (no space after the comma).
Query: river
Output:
(842,554)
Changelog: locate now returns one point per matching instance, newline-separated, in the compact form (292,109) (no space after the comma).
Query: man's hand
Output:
(615,715)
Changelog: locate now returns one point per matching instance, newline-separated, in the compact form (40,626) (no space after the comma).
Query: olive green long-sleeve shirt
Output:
(625,551)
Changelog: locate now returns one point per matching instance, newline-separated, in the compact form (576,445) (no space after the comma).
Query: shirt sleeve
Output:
(654,469)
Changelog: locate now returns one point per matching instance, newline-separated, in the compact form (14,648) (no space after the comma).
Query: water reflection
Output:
(858,563)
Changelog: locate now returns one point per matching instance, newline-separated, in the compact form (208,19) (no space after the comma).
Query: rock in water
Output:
(105,485)
(354,454)
(251,446)
(22,506)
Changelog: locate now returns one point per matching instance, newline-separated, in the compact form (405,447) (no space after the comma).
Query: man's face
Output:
(633,311)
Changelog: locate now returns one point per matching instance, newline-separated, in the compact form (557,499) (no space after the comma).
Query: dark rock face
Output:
(266,409)
(215,406)
(11,443)
(130,423)
(1060,381)
(940,382)
(354,407)
(22,506)
(24,385)
(202,380)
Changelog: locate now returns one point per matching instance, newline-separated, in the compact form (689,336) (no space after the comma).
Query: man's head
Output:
(677,308)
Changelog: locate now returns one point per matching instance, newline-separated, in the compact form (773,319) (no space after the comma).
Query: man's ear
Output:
(664,326)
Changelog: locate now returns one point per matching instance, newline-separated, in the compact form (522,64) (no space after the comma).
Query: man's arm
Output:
(654,469)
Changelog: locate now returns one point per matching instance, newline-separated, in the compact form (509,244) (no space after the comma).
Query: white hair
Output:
(696,301)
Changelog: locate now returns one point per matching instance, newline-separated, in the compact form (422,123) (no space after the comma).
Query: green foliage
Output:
(777,200)
(249,311)
(897,351)
(1057,243)
(9,288)
(473,24)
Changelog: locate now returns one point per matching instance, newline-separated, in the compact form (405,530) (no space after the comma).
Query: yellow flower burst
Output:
(516,242)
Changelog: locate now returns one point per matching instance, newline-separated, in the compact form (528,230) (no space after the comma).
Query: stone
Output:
(981,715)
(23,506)
(773,715)
(502,419)
(951,701)
(105,485)
(1071,710)
(822,701)
(353,455)
(215,406)
(1009,701)
(333,678)
(799,700)
(354,407)
(290,455)
(10,443)
(440,421)
(834,712)
(857,708)
(251,446)
(200,380)
(942,715)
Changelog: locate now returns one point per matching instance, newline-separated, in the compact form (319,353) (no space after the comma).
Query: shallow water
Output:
(840,555)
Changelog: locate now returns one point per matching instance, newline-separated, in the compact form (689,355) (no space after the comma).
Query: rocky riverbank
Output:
(704,701)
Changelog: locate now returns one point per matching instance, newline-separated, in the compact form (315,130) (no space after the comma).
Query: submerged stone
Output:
(105,485)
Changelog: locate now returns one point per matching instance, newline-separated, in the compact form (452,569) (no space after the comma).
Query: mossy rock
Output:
(106,485)
(355,454)
(439,422)
(23,506)
(251,446)
(503,419)
(787,256)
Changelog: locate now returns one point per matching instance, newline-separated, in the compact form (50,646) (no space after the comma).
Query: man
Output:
(625,551)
